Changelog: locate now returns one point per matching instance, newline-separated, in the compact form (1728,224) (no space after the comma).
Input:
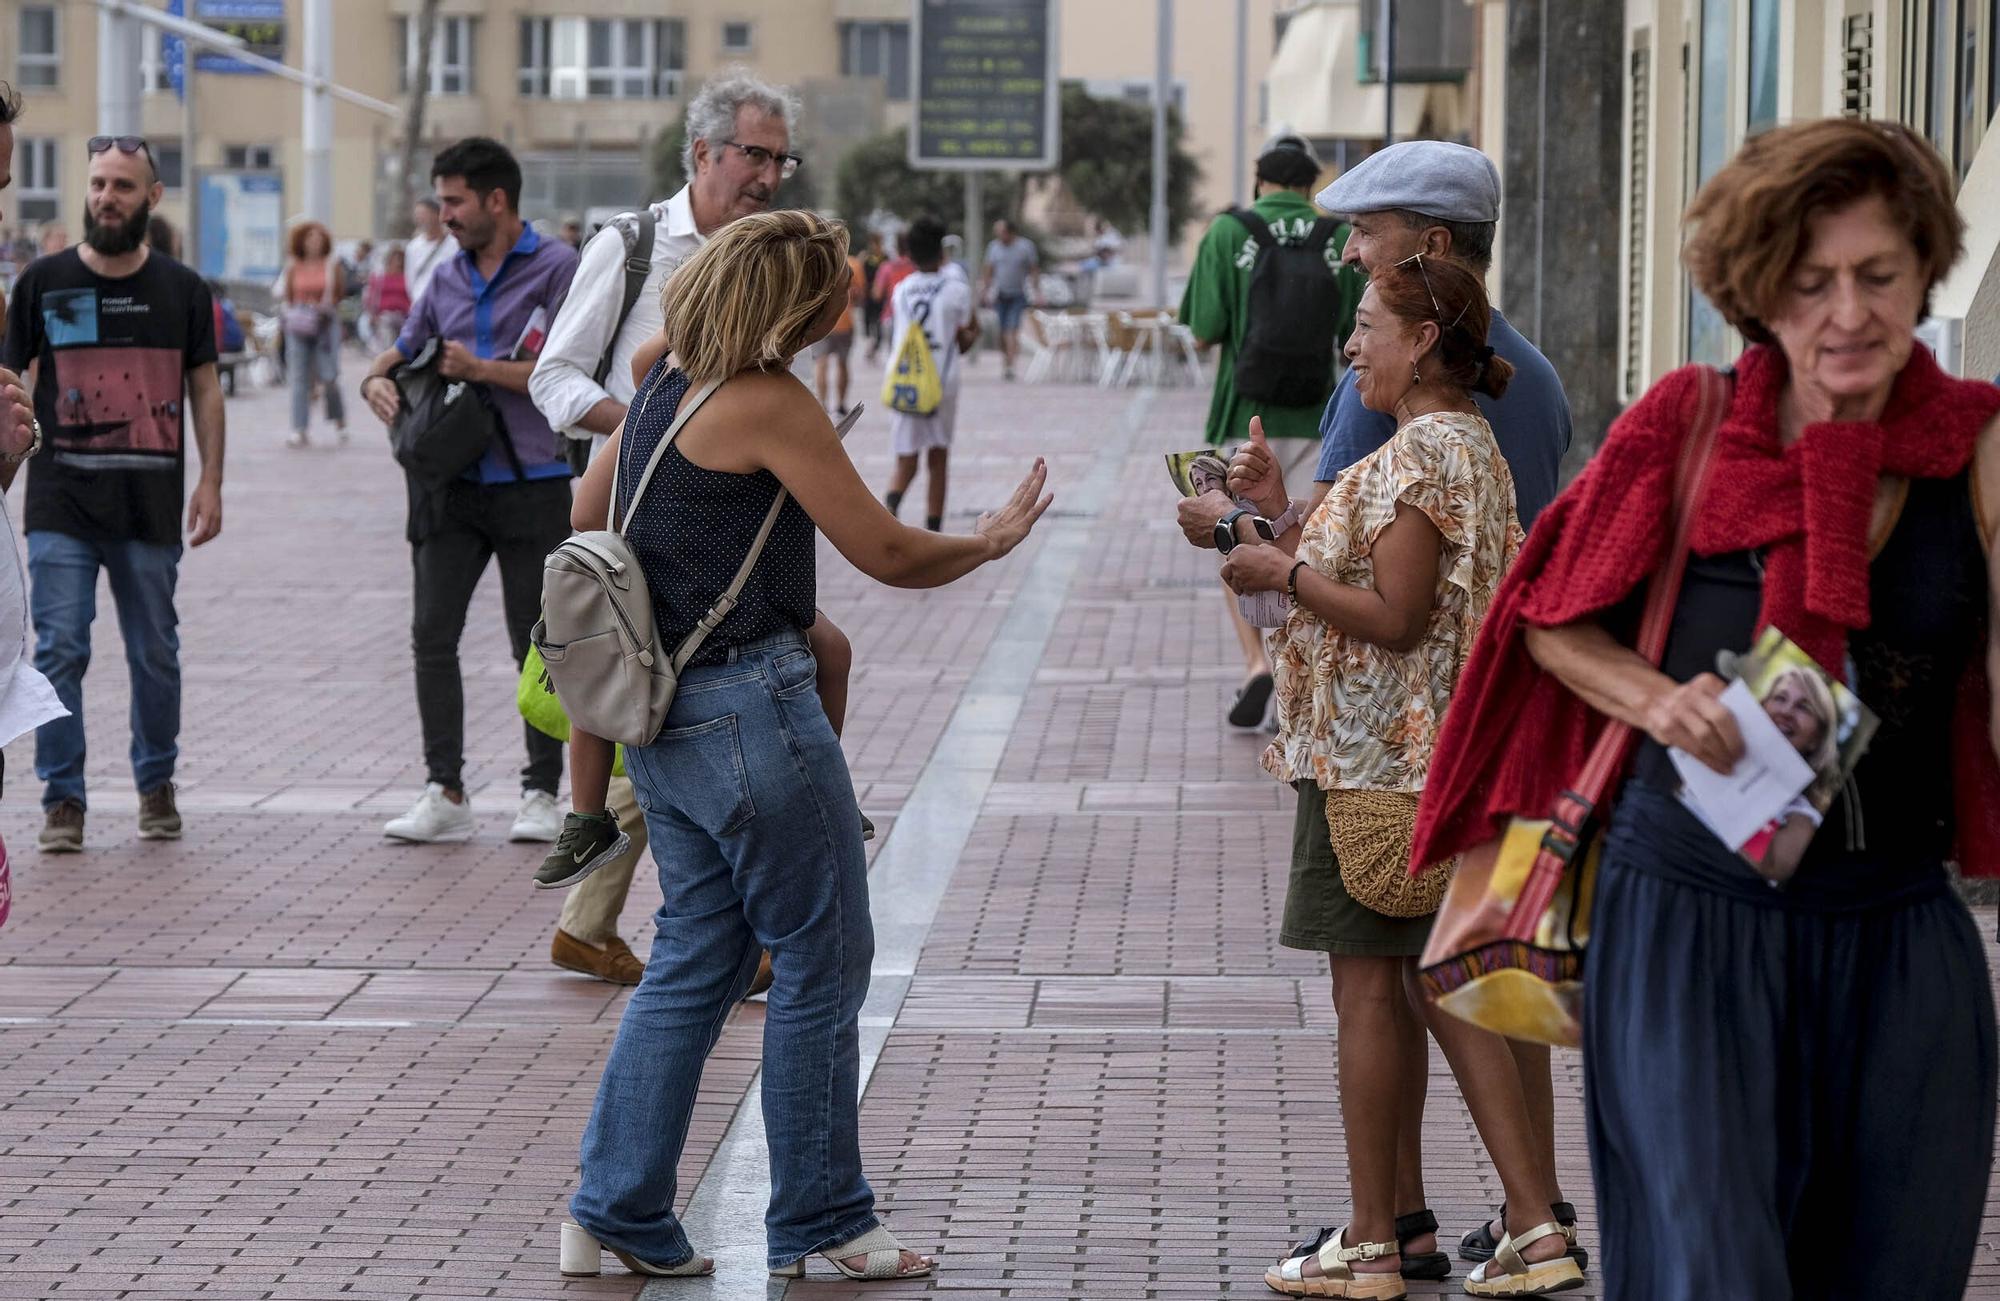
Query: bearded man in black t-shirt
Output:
(119,345)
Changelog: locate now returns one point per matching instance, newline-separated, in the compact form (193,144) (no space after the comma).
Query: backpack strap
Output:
(1323,231)
(1259,229)
(709,622)
(638,265)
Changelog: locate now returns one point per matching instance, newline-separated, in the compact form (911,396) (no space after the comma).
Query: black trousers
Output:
(1790,1093)
(465,525)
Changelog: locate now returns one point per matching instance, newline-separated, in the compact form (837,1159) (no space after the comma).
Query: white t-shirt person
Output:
(940,305)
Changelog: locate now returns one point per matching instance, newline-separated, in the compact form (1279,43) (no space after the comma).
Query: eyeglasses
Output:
(760,158)
(123,144)
(1418,258)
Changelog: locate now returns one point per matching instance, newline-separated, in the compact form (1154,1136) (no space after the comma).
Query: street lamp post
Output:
(1163,59)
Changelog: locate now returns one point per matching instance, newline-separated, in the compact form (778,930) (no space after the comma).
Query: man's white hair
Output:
(711,116)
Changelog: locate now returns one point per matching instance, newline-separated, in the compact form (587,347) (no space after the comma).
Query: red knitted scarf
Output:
(1514,736)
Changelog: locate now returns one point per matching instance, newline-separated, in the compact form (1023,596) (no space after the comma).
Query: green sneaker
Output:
(587,843)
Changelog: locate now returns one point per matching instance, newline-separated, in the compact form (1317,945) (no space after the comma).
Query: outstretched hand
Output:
(1254,473)
(1005,528)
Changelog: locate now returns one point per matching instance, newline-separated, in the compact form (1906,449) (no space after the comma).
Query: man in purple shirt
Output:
(489,306)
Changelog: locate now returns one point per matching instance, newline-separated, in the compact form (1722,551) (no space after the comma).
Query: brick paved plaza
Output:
(286,1059)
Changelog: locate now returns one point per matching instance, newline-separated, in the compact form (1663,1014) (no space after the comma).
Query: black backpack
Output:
(1286,358)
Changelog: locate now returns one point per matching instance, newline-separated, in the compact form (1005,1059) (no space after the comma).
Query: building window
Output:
(1857,65)
(602,58)
(1637,158)
(167,161)
(38,187)
(39,63)
(736,38)
(1708,335)
(881,50)
(1763,97)
(451,55)
(249,158)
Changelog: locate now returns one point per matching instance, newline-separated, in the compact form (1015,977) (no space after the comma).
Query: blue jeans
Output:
(310,359)
(1010,308)
(63,600)
(758,841)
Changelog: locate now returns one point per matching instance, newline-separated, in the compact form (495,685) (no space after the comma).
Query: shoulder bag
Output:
(1507,951)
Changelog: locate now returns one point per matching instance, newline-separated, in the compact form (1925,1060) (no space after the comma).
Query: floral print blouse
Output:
(1357,716)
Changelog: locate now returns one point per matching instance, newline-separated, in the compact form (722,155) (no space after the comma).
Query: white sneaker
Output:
(539,818)
(433,819)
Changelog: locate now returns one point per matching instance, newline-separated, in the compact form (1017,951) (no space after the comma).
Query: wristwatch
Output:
(34,445)
(1225,529)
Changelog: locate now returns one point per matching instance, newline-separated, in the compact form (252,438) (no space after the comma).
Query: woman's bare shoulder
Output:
(1986,481)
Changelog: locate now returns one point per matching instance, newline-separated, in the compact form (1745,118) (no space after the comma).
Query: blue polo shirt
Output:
(489,317)
(1531,423)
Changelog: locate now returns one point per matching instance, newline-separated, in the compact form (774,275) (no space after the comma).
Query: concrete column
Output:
(118,87)
(317,112)
(1560,214)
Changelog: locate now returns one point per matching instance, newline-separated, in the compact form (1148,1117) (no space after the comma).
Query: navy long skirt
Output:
(1790,1093)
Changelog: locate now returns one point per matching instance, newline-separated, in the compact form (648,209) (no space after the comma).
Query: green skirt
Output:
(1319,913)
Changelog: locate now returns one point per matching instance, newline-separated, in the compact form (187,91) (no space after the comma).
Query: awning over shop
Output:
(1314,82)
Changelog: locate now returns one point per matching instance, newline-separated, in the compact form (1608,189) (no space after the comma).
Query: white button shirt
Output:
(563,385)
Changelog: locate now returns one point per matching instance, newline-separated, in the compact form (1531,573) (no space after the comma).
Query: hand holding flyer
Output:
(1206,470)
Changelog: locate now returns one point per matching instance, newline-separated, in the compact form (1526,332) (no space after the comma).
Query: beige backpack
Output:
(598,642)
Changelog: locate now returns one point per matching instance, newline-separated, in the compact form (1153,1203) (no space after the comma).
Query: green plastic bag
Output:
(536,698)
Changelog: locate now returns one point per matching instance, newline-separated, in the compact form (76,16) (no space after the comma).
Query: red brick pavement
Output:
(283,1059)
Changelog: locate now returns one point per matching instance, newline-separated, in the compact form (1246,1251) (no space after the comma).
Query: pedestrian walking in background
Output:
(386,301)
(891,274)
(1788,1079)
(937,306)
(487,311)
(120,344)
(751,809)
(832,351)
(427,248)
(736,157)
(872,259)
(1007,283)
(311,287)
(1283,339)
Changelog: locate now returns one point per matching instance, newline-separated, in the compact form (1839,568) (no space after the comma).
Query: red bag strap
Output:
(1575,806)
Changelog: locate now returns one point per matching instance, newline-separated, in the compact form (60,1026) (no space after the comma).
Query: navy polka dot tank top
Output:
(695,526)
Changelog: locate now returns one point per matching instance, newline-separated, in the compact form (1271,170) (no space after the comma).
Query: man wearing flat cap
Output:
(1277,341)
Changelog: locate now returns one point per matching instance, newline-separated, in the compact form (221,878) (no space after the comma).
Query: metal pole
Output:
(117,78)
(975,213)
(1236,166)
(1387,46)
(190,144)
(318,111)
(1163,60)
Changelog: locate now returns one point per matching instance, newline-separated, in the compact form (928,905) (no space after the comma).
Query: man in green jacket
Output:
(1217,307)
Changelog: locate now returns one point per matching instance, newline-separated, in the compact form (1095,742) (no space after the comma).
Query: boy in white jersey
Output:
(941,306)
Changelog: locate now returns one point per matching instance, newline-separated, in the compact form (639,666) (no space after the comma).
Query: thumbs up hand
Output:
(1256,476)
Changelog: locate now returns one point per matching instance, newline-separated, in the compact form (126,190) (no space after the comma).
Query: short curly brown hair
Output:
(1747,226)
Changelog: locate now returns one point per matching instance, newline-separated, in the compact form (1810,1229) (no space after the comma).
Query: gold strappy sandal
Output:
(1507,1274)
(1336,1279)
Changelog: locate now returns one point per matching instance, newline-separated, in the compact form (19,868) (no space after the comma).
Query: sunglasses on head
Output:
(1418,258)
(123,144)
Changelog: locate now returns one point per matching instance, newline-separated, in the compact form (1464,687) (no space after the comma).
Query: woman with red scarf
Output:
(1790,1091)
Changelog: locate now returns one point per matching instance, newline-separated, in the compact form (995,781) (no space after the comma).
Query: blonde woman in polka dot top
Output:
(747,797)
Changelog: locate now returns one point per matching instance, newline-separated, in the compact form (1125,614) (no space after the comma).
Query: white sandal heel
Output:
(580,1256)
(1336,1279)
(1507,1274)
(884,1253)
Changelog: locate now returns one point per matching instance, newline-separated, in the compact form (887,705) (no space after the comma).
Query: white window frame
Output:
(153,60)
(37,178)
(249,161)
(858,35)
(51,62)
(453,78)
(749,42)
(558,62)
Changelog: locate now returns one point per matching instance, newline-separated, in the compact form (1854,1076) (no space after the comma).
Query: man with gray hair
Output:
(736,156)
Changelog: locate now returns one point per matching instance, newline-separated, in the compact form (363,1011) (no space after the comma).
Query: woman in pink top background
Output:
(310,286)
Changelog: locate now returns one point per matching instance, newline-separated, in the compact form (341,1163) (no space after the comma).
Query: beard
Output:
(118,240)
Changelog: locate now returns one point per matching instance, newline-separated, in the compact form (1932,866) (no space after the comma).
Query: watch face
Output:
(1264,528)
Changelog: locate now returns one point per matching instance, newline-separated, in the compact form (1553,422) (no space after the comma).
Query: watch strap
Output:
(1289,520)
(1225,529)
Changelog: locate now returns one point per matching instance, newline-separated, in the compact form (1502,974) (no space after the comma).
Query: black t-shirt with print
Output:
(110,392)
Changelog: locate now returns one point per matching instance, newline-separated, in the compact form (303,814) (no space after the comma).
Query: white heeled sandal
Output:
(580,1257)
(884,1253)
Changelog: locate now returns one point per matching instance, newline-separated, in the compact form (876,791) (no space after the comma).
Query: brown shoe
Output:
(762,980)
(614,962)
(158,818)
(62,828)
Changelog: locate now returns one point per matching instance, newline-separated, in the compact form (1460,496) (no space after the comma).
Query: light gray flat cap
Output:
(1433,177)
